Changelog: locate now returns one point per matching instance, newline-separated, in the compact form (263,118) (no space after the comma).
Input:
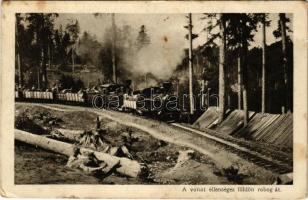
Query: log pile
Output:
(127,167)
(94,139)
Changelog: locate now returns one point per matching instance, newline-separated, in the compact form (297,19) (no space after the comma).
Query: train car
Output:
(153,101)
(130,102)
(108,96)
(92,100)
(70,97)
(37,96)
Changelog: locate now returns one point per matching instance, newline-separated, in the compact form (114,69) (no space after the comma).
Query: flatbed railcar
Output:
(150,101)
(153,101)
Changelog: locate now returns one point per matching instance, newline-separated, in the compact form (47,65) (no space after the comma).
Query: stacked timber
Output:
(207,119)
(232,123)
(276,129)
(271,128)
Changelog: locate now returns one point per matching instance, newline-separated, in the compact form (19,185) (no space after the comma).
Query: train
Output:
(157,101)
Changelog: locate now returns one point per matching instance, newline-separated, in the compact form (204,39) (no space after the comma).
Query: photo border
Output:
(9,8)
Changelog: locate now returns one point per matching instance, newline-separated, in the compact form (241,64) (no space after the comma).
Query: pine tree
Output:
(142,39)
(281,31)
(219,20)
(263,23)
(222,80)
(282,22)
(240,32)
(73,29)
(42,27)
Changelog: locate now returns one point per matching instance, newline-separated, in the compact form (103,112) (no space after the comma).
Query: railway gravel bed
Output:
(262,155)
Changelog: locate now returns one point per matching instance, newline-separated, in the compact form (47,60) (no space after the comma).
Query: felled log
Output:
(284,179)
(127,167)
(84,138)
(70,134)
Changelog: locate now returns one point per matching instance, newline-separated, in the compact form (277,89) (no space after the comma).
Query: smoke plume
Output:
(158,58)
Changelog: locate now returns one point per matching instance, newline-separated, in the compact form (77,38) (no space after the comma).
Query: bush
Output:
(68,82)
(23,122)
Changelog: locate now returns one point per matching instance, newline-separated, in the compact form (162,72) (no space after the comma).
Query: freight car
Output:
(105,91)
(49,97)
(153,101)
(107,96)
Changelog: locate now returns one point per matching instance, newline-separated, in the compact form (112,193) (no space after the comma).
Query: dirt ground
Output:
(37,166)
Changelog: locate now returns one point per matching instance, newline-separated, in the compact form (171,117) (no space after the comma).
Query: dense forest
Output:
(243,77)
(42,47)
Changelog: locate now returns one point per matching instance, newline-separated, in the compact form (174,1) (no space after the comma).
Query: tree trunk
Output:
(245,83)
(73,61)
(43,43)
(49,54)
(127,167)
(44,70)
(190,68)
(263,109)
(245,105)
(227,89)
(239,82)
(20,78)
(222,91)
(282,22)
(114,68)
(19,70)
(244,51)
(40,79)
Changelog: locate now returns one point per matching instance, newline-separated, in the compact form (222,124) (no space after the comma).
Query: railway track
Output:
(265,157)
(274,161)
